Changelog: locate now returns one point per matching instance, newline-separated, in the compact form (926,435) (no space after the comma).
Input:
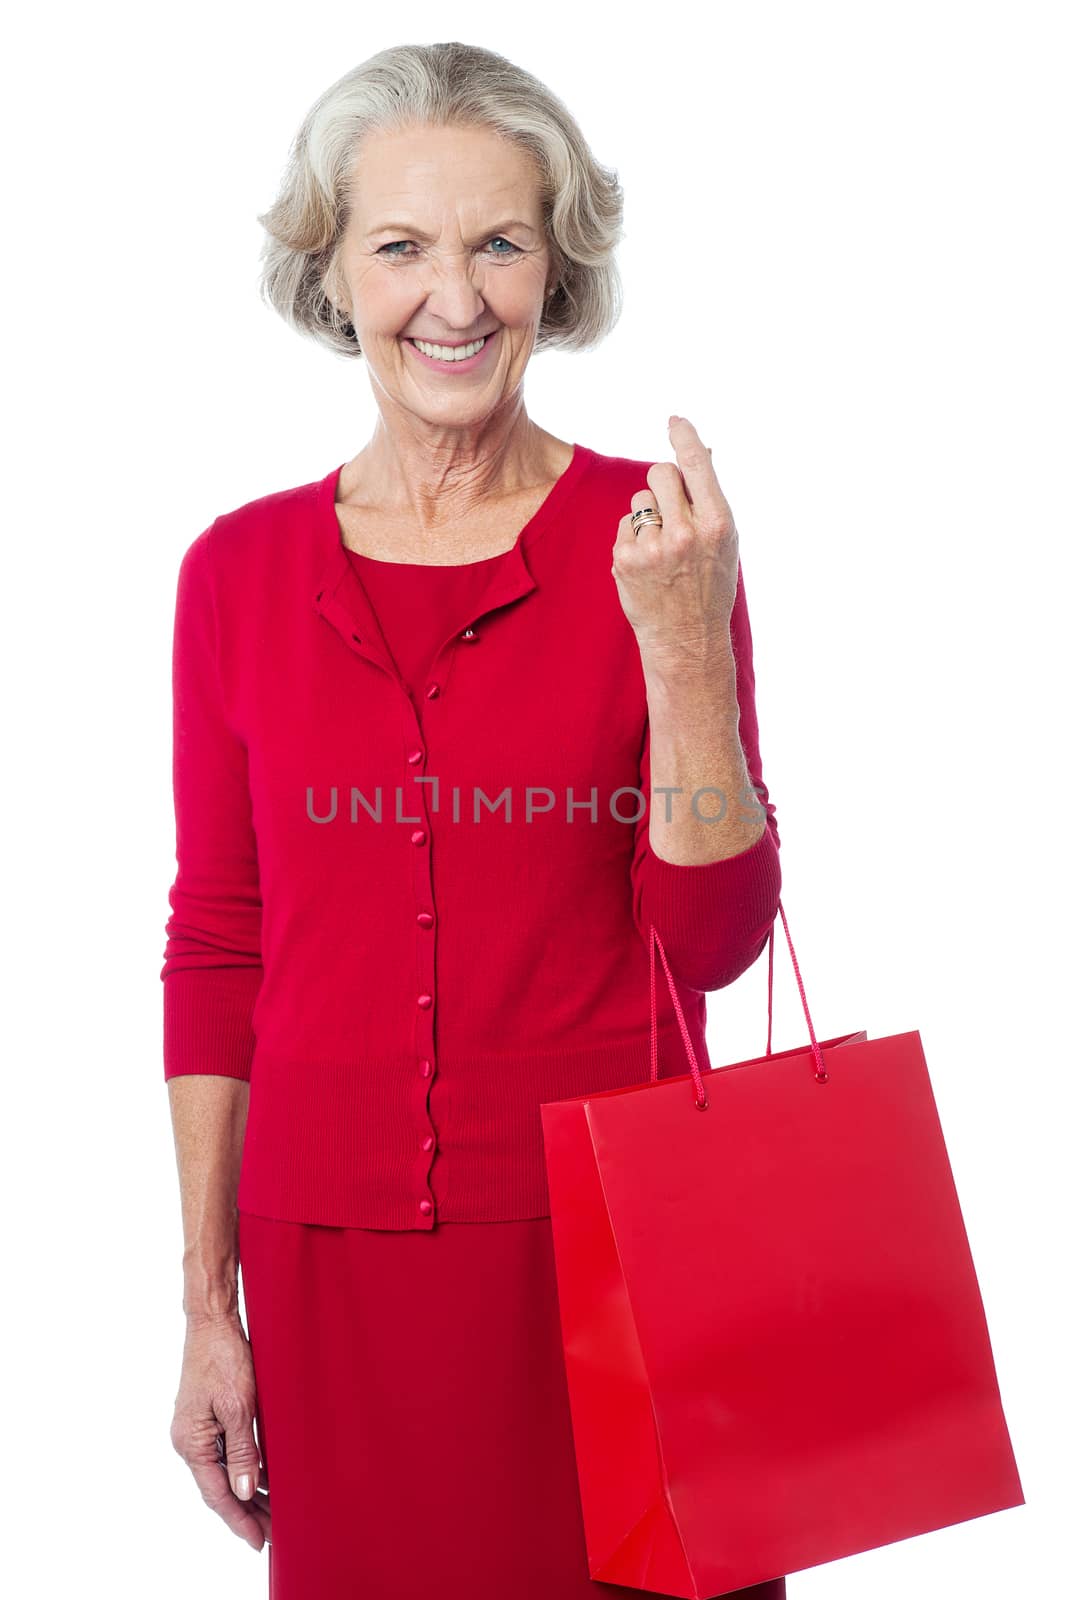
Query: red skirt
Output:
(413,1414)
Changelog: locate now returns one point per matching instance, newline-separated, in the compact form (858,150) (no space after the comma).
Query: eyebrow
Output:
(409,230)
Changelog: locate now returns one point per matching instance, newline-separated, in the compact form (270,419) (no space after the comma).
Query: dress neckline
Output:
(542,518)
(360,557)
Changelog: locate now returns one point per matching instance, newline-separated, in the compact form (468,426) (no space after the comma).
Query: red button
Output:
(414,756)
(418,836)
(427,1067)
(427,1142)
(425,1001)
(424,919)
(425,1206)
(432,691)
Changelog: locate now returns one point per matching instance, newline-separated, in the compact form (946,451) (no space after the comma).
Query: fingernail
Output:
(244,1485)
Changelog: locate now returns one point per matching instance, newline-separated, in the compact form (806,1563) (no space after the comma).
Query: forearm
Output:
(693,724)
(209,1112)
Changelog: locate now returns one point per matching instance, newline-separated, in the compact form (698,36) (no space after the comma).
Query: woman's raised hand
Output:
(677,583)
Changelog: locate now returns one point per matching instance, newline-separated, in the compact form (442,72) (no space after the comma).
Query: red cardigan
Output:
(404,961)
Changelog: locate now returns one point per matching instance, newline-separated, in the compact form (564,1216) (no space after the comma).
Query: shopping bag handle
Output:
(701,1099)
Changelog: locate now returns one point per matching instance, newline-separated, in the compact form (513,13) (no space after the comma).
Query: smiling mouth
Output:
(446,352)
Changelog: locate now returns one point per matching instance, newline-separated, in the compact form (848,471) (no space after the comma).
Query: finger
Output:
(239,1451)
(667,486)
(697,468)
(260,1510)
(213,1484)
(647,530)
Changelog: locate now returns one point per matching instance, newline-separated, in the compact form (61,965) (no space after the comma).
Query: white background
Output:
(843,261)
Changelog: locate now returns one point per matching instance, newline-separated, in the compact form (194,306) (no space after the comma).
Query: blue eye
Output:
(511,249)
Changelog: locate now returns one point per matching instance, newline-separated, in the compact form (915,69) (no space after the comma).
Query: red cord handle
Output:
(701,1100)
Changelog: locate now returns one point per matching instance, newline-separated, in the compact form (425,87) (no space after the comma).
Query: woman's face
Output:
(446,245)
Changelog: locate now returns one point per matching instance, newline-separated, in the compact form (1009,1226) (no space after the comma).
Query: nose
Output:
(453,296)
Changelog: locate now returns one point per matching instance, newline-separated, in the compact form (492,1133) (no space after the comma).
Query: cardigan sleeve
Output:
(212,966)
(713,918)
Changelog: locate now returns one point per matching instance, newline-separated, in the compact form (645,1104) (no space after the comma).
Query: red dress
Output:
(413,1414)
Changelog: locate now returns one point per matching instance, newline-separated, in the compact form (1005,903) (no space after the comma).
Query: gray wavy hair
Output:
(462,85)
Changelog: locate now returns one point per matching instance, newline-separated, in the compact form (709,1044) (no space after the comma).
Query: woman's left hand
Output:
(677,583)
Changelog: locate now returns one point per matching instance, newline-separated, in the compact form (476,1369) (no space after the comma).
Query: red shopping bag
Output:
(776,1350)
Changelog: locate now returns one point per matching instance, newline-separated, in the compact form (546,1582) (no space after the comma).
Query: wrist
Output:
(705,677)
(210,1291)
(678,659)
(201,1312)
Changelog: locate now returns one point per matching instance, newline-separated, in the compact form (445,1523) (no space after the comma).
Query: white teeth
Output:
(441,352)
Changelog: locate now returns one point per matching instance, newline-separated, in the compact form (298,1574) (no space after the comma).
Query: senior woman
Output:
(378,965)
